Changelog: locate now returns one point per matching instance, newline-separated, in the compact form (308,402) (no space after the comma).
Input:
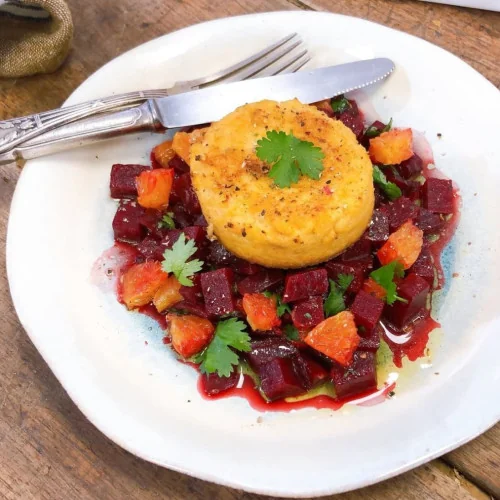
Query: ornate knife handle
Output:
(19,130)
(78,133)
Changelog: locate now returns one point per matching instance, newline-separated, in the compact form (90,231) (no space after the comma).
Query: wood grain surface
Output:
(48,450)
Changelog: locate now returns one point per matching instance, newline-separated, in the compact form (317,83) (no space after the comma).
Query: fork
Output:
(284,56)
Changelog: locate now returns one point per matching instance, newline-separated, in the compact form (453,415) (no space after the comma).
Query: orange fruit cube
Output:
(163,153)
(141,282)
(168,294)
(261,311)
(190,334)
(373,288)
(336,337)
(153,187)
(393,147)
(404,245)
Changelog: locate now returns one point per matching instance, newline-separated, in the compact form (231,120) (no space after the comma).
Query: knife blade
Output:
(211,104)
(201,106)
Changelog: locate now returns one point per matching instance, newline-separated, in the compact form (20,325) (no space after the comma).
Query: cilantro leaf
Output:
(344,280)
(334,303)
(372,131)
(176,260)
(218,356)
(390,189)
(388,126)
(291,332)
(340,104)
(385,275)
(167,221)
(280,307)
(290,158)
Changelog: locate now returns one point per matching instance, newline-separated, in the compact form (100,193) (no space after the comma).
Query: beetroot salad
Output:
(287,338)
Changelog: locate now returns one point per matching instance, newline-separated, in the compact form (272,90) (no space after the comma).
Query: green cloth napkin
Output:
(35,36)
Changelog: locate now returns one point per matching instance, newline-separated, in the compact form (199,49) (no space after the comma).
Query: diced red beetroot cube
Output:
(360,250)
(317,373)
(278,379)
(379,197)
(260,282)
(126,223)
(219,256)
(151,219)
(212,384)
(356,269)
(179,165)
(200,221)
(414,290)
(366,263)
(154,162)
(183,192)
(400,211)
(359,377)
(171,236)
(367,310)
(437,195)
(410,189)
(378,125)
(151,248)
(122,180)
(411,167)
(307,313)
(428,221)
(181,217)
(265,350)
(196,308)
(370,341)
(353,121)
(217,289)
(193,293)
(197,234)
(177,187)
(378,232)
(305,284)
(424,266)
(247,268)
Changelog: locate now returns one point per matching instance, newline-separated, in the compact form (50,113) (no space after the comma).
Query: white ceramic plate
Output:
(143,399)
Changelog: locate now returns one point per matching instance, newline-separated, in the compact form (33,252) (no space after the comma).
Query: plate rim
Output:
(220,479)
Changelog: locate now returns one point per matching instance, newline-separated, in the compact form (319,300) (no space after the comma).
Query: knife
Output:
(202,106)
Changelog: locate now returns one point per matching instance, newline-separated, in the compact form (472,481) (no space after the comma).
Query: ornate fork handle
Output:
(19,130)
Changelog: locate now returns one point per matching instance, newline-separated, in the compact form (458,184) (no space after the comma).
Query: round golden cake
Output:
(305,224)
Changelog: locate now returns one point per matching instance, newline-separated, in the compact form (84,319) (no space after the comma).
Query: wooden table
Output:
(47,447)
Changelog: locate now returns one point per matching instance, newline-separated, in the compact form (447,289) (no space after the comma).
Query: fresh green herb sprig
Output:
(291,332)
(176,260)
(340,104)
(335,303)
(372,131)
(385,275)
(281,308)
(167,221)
(220,356)
(390,189)
(289,158)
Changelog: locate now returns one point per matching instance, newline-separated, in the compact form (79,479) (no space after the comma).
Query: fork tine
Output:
(282,65)
(296,65)
(263,62)
(241,64)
